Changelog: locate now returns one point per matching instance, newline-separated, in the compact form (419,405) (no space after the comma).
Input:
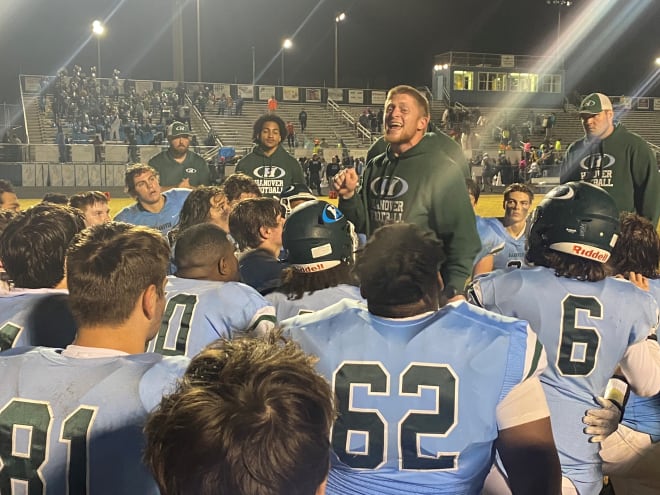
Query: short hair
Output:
(259,125)
(87,199)
(399,265)
(200,245)
(132,171)
(266,417)
(109,266)
(239,183)
(473,189)
(412,92)
(638,247)
(57,198)
(33,245)
(518,187)
(6,186)
(246,220)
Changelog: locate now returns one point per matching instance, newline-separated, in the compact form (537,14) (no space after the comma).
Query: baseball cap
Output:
(177,129)
(595,103)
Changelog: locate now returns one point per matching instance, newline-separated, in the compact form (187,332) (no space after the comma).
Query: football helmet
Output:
(577,218)
(318,236)
(295,192)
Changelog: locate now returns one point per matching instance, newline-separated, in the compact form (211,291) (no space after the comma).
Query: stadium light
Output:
(285,46)
(98,29)
(657,61)
(340,18)
(559,4)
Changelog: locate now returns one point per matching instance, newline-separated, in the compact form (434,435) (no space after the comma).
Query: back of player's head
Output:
(404,89)
(573,231)
(134,170)
(399,265)
(638,247)
(197,206)
(473,189)
(576,218)
(34,244)
(57,198)
(249,216)
(518,187)
(87,199)
(109,266)
(259,125)
(317,237)
(238,184)
(6,186)
(295,194)
(252,417)
(199,249)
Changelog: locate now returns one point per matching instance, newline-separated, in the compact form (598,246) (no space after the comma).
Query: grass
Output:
(490,205)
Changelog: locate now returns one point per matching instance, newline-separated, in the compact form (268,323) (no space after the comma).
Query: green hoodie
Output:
(424,187)
(271,173)
(623,164)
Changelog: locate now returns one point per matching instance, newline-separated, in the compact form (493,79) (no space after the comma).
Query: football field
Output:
(490,205)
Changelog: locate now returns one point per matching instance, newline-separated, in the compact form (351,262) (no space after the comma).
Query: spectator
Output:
(302,118)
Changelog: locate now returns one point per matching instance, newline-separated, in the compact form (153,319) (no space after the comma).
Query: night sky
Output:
(381,43)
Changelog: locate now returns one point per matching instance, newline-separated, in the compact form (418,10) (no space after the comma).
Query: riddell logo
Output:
(591,253)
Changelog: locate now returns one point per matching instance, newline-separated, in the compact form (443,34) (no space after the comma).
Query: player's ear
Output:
(150,298)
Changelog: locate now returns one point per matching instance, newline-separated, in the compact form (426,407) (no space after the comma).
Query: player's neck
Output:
(402,310)
(514,228)
(119,338)
(154,207)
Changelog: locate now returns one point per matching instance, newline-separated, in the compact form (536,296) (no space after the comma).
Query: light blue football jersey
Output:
(585,334)
(70,425)
(165,220)
(417,398)
(643,413)
(30,317)
(512,255)
(490,241)
(312,301)
(200,311)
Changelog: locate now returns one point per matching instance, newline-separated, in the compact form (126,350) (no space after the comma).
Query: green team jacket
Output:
(421,186)
(450,147)
(623,164)
(271,173)
(172,172)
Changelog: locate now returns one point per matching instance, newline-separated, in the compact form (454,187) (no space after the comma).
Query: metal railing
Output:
(351,121)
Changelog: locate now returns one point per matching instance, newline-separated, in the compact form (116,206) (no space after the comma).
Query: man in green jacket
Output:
(414,181)
(617,160)
(177,166)
(268,163)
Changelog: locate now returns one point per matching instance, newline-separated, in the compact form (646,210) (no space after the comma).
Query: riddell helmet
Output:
(318,237)
(577,218)
(294,192)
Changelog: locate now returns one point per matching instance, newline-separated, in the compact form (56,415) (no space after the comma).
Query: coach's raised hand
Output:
(346,182)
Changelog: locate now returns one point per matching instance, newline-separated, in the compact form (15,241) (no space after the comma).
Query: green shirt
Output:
(172,172)
(271,173)
(421,186)
(623,164)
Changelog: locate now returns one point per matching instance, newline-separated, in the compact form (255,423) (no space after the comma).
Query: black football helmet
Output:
(577,218)
(318,236)
(293,192)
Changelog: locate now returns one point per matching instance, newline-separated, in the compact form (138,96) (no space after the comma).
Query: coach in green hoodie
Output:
(414,181)
(268,163)
(612,157)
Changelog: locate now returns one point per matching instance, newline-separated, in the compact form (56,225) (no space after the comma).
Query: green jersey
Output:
(171,172)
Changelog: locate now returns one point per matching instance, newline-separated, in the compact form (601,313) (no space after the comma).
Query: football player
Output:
(575,309)
(427,391)
(294,195)
(320,243)
(509,230)
(71,420)
(205,301)
(32,248)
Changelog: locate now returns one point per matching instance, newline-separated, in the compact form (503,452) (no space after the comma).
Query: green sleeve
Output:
(646,180)
(455,226)
(355,211)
